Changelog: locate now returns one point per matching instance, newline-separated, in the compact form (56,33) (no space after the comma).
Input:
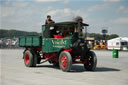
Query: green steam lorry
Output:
(61,44)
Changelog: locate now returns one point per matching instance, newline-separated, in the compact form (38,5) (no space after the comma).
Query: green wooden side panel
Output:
(36,41)
(22,41)
(54,45)
(29,41)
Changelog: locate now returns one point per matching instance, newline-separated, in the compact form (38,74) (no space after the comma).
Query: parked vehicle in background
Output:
(9,43)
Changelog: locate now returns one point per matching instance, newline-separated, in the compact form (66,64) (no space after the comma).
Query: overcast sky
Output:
(29,15)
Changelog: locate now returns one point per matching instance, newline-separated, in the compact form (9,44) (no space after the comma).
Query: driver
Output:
(49,20)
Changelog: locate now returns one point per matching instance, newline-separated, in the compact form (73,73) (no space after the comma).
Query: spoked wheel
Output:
(65,61)
(30,59)
(91,61)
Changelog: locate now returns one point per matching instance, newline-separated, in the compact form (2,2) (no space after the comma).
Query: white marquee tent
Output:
(120,43)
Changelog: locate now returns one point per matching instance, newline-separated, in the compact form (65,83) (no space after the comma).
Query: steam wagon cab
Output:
(61,44)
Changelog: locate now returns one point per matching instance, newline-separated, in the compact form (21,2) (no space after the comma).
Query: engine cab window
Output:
(59,31)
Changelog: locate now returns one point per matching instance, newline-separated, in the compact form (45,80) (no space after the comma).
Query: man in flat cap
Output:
(49,20)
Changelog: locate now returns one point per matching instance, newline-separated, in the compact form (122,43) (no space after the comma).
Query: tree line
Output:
(98,36)
(17,33)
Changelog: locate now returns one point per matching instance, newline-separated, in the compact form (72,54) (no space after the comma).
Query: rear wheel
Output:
(91,61)
(30,60)
(65,61)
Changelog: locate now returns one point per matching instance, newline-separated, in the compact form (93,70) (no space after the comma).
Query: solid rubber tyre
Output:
(65,61)
(91,61)
(30,59)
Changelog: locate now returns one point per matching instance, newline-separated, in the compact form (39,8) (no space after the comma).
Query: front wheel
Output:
(65,61)
(91,61)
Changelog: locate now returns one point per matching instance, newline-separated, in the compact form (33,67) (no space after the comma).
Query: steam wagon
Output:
(61,44)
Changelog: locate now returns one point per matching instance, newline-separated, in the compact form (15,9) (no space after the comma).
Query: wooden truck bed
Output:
(30,41)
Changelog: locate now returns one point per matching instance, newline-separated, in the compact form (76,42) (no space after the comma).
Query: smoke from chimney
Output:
(78,19)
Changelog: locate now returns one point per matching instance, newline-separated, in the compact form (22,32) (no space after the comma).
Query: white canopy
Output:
(119,39)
